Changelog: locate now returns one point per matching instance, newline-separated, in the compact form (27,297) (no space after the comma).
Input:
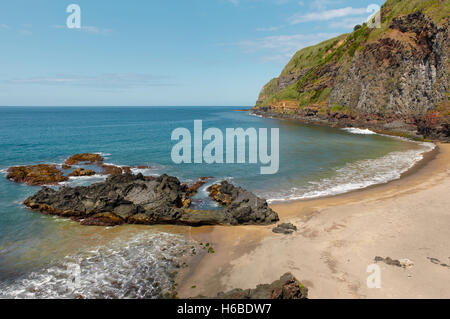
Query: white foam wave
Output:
(257,115)
(262,116)
(83,180)
(103,154)
(229,179)
(358,175)
(111,164)
(355,130)
(145,171)
(87,178)
(139,267)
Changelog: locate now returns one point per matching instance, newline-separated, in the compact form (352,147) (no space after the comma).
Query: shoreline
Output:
(243,240)
(250,255)
(427,157)
(405,132)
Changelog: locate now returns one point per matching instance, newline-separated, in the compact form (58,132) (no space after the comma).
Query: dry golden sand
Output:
(338,237)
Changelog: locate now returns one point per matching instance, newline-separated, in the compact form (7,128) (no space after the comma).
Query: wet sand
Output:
(338,238)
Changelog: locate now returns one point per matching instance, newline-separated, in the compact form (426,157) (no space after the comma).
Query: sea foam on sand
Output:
(139,267)
(358,175)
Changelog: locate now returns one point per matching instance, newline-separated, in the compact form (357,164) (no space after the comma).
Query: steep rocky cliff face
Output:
(391,79)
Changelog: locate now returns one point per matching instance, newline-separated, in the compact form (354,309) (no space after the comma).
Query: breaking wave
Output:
(355,130)
(83,180)
(357,175)
(140,267)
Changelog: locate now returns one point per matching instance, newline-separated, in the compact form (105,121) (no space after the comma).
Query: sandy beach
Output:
(338,238)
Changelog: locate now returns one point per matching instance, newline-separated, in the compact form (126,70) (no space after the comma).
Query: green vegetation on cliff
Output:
(311,56)
(306,78)
(311,75)
(437,10)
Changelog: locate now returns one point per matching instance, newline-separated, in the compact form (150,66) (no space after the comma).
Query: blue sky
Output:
(158,52)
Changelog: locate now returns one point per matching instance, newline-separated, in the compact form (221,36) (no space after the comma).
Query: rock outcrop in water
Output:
(242,206)
(112,169)
(393,79)
(96,159)
(34,175)
(287,287)
(51,174)
(84,158)
(135,199)
(82,172)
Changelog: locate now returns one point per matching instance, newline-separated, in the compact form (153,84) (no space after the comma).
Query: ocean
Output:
(38,253)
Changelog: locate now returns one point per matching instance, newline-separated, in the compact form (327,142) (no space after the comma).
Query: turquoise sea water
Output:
(314,161)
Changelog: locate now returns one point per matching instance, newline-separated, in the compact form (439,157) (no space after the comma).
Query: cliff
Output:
(391,79)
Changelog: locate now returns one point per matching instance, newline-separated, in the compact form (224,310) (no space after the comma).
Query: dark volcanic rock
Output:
(120,199)
(404,263)
(286,229)
(388,261)
(287,287)
(241,206)
(135,199)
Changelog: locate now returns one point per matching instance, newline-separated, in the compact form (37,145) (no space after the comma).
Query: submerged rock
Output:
(135,199)
(96,159)
(242,206)
(82,172)
(84,158)
(113,169)
(287,287)
(33,175)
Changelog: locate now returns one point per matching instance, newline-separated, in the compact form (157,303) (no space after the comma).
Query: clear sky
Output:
(158,52)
